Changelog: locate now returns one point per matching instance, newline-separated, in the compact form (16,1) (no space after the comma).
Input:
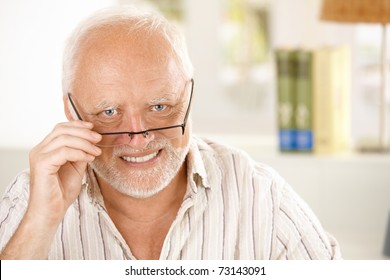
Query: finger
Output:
(53,160)
(77,129)
(71,141)
(77,123)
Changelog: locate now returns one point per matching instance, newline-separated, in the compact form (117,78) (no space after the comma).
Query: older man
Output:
(125,179)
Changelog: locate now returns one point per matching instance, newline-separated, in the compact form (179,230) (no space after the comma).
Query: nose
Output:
(139,138)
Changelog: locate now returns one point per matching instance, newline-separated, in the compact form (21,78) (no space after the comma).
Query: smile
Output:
(140,159)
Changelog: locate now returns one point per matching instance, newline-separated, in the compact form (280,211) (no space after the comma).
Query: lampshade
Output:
(367,11)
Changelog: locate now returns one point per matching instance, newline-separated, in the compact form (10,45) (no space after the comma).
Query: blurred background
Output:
(232,44)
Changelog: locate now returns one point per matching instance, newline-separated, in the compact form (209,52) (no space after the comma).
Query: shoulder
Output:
(223,153)
(237,164)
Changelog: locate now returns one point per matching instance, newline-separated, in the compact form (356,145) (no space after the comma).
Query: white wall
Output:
(33,32)
(297,24)
(32,37)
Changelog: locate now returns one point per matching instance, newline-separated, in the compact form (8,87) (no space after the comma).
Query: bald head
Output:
(147,36)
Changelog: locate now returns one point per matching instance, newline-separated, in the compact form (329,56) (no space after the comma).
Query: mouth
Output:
(140,159)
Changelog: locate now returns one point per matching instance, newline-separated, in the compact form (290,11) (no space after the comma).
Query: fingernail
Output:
(90,158)
(96,136)
(97,150)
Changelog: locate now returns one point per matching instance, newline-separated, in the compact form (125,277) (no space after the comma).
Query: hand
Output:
(57,167)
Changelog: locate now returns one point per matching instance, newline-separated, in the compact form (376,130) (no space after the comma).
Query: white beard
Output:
(142,183)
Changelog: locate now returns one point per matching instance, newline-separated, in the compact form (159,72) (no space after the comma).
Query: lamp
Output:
(366,11)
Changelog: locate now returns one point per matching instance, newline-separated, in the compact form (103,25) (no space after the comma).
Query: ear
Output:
(67,109)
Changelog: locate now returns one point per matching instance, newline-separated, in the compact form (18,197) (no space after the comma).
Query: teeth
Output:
(140,159)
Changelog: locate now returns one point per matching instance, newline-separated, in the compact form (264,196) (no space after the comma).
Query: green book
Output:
(286,86)
(303,113)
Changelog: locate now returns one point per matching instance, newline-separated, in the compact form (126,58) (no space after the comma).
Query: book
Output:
(286,99)
(331,99)
(313,90)
(303,113)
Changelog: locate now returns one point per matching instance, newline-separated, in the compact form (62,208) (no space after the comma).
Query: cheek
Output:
(106,155)
(182,142)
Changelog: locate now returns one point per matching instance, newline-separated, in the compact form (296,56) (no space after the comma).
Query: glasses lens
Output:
(124,138)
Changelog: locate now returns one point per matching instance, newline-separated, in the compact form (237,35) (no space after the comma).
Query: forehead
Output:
(112,60)
(119,44)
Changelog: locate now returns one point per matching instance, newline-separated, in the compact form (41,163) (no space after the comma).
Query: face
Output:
(133,85)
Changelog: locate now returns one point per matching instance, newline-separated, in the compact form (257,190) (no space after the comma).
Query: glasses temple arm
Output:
(74,108)
(189,105)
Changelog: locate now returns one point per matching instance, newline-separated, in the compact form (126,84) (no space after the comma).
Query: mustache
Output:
(153,145)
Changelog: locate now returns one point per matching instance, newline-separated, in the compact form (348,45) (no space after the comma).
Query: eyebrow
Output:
(166,98)
(168,93)
(104,105)
(171,97)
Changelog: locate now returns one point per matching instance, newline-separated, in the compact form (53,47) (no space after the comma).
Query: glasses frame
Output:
(144,132)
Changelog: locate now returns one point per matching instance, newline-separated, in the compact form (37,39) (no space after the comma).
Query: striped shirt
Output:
(234,208)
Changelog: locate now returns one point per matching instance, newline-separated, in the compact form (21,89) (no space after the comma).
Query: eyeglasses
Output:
(112,139)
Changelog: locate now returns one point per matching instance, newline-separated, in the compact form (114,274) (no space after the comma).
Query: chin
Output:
(143,179)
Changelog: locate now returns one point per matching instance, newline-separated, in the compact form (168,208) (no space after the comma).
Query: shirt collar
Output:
(196,170)
(92,187)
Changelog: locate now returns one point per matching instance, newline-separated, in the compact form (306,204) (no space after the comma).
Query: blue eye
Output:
(159,107)
(110,112)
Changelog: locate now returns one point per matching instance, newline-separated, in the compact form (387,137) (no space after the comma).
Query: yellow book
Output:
(331,99)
